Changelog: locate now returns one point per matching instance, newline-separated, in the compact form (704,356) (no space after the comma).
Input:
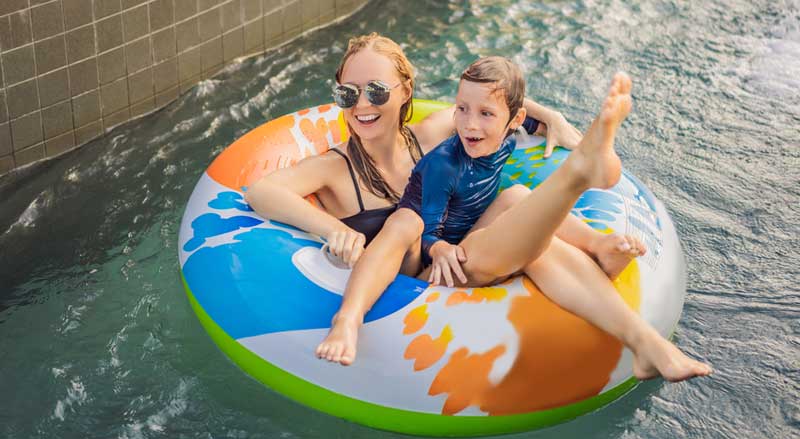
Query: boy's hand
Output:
(347,245)
(562,133)
(447,259)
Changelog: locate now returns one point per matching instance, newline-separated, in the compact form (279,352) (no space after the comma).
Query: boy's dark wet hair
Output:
(505,74)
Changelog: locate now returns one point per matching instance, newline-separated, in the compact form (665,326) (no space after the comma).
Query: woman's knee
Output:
(404,223)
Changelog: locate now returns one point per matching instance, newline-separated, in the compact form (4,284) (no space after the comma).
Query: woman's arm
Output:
(554,127)
(279,195)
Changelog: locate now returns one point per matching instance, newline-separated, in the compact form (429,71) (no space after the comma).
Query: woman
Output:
(376,164)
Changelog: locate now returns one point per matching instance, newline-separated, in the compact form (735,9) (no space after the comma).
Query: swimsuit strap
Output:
(352,176)
(416,143)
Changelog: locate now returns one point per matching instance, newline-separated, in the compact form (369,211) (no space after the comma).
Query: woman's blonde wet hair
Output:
(504,74)
(362,162)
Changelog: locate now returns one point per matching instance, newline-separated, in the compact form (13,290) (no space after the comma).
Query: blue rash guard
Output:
(450,190)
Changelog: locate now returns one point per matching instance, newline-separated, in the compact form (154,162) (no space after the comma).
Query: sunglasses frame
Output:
(366,89)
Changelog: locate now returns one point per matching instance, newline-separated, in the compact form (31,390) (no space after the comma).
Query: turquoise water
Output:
(97,338)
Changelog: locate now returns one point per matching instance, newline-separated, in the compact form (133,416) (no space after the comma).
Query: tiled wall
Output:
(70,70)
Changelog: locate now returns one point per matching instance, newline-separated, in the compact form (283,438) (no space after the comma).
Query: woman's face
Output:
(371,121)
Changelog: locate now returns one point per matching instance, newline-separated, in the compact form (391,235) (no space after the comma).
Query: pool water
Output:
(97,338)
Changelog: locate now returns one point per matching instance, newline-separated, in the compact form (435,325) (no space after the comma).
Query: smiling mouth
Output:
(473,139)
(368,118)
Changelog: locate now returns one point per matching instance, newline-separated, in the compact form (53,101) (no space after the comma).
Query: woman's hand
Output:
(561,133)
(447,259)
(347,245)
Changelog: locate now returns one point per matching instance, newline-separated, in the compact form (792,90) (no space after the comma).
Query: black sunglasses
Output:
(377,93)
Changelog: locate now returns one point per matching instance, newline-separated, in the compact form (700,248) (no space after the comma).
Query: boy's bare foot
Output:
(594,159)
(656,356)
(614,252)
(340,344)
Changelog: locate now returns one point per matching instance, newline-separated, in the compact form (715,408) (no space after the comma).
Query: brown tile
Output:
(189,84)
(233,44)
(310,13)
(211,54)
(253,36)
(15,30)
(327,9)
(6,164)
(83,76)
(86,108)
(212,71)
(127,4)
(26,131)
(115,119)
(3,113)
(251,9)
(292,17)
(59,145)
(38,2)
(186,34)
(231,15)
(109,33)
(111,66)
(77,13)
(51,54)
(9,6)
(143,107)
(47,20)
(273,26)
(53,87)
(271,5)
(185,9)
(80,44)
(135,23)
(189,64)
(165,75)
(19,65)
(164,44)
(167,96)
(161,14)
(104,8)
(202,5)
(138,55)
(140,86)
(29,155)
(210,24)
(22,98)
(57,119)
(86,133)
(114,97)
(5,139)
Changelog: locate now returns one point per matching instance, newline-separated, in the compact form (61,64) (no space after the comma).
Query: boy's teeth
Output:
(367,118)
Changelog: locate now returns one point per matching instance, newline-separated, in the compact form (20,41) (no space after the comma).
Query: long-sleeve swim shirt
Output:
(450,190)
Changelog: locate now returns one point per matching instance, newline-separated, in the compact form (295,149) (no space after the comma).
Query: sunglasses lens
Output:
(345,96)
(377,92)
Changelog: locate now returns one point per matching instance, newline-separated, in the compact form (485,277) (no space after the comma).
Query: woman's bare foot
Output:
(656,356)
(614,252)
(594,160)
(340,344)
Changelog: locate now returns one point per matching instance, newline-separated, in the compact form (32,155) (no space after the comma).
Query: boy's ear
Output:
(519,118)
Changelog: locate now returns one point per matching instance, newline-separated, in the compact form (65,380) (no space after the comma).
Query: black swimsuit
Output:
(370,222)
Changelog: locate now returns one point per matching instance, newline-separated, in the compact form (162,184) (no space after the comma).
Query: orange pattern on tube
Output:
(415,319)
(426,351)
(562,359)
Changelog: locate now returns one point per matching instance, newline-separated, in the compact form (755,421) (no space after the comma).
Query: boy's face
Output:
(481,117)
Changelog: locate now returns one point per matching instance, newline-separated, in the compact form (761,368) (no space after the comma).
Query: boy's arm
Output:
(554,126)
(437,188)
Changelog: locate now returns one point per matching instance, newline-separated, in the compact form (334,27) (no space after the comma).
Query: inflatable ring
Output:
(431,360)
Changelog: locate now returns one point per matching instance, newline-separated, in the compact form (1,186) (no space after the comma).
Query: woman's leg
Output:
(395,249)
(574,282)
(533,221)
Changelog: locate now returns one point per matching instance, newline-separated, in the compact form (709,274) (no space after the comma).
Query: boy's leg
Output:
(527,228)
(573,281)
(611,252)
(374,271)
